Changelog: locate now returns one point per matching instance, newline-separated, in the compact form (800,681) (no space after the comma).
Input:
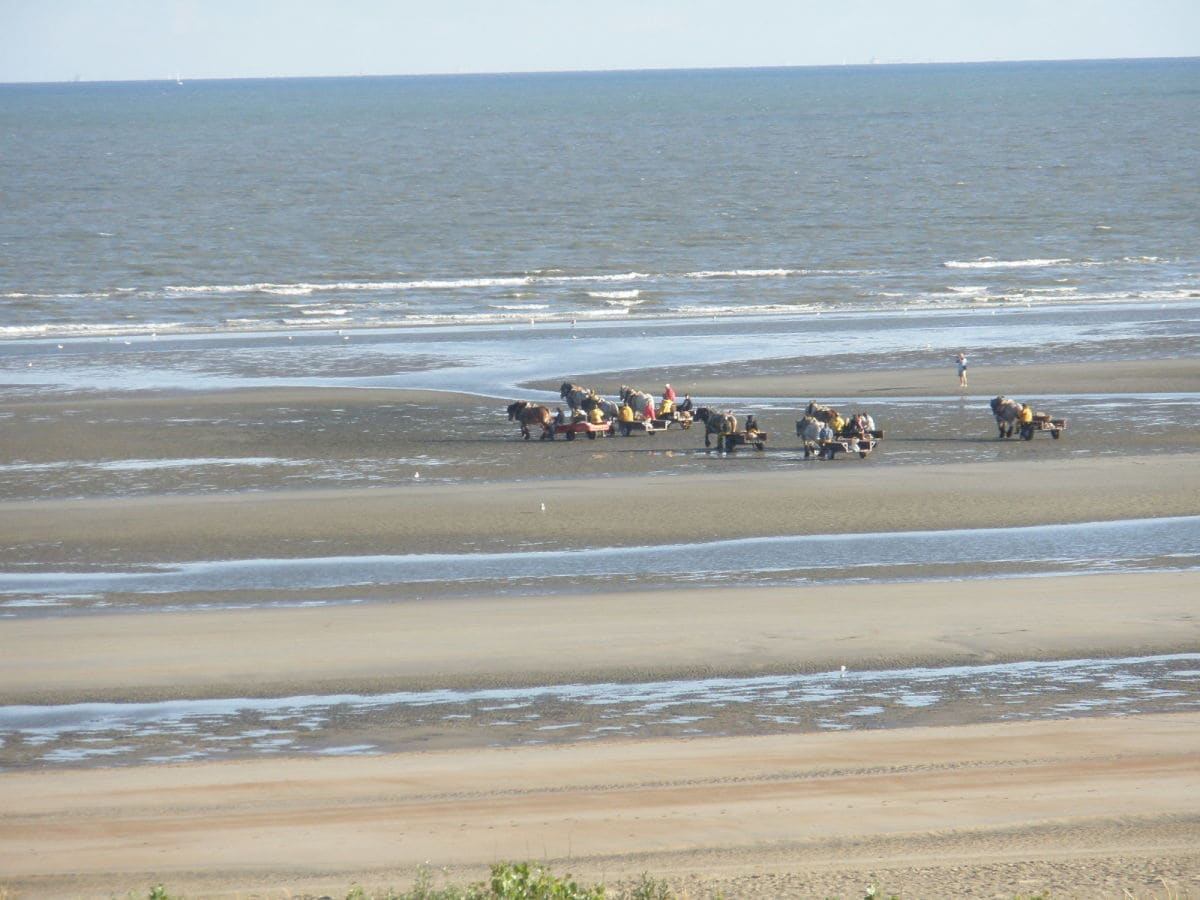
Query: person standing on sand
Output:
(961,360)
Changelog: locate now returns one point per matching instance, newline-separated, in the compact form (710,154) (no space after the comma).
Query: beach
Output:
(287,604)
(968,804)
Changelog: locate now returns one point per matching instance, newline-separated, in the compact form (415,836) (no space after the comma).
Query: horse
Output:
(1007,411)
(573,394)
(820,412)
(636,399)
(717,423)
(527,414)
(607,407)
(808,429)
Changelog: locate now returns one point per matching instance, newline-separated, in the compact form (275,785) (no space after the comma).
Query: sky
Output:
(119,40)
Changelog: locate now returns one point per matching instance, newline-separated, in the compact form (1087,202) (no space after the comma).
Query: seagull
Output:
(843,675)
(543,507)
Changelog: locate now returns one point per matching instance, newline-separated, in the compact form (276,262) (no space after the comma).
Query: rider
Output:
(596,415)
(826,436)
(625,414)
(666,409)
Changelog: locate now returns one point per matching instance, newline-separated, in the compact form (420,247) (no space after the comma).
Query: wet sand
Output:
(873,378)
(1087,807)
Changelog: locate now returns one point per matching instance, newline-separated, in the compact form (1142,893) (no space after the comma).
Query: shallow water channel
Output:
(1121,546)
(147,733)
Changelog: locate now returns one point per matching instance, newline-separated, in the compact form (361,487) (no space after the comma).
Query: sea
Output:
(1054,197)
(481,233)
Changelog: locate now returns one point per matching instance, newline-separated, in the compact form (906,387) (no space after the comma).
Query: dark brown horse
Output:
(1007,411)
(717,423)
(574,394)
(527,414)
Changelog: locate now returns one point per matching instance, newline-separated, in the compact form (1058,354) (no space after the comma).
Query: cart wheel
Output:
(760,446)
(1056,434)
(570,435)
(591,435)
(862,454)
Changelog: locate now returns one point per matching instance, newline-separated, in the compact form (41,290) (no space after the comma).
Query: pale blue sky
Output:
(59,40)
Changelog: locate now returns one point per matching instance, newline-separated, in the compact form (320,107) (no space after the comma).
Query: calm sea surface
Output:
(223,206)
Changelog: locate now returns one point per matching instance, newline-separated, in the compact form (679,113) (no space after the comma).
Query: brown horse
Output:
(717,423)
(527,414)
(820,412)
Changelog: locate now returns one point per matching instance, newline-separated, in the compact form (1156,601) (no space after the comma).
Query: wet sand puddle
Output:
(123,734)
(1123,546)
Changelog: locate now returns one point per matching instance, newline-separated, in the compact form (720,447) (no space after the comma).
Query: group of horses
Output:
(532,415)
(808,428)
(1006,411)
(716,422)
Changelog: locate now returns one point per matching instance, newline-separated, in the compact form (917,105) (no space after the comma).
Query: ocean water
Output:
(286,206)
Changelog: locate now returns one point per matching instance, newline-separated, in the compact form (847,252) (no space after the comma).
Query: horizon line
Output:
(873,63)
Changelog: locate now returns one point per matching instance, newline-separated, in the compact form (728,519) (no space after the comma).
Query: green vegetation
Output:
(530,881)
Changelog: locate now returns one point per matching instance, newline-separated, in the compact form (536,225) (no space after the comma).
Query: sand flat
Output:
(631,636)
(1062,804)
(1086,806)
(603,511)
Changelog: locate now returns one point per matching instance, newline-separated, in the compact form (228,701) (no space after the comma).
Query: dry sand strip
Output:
(793,378)
(588,512)
(1113,798)
(623,637)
